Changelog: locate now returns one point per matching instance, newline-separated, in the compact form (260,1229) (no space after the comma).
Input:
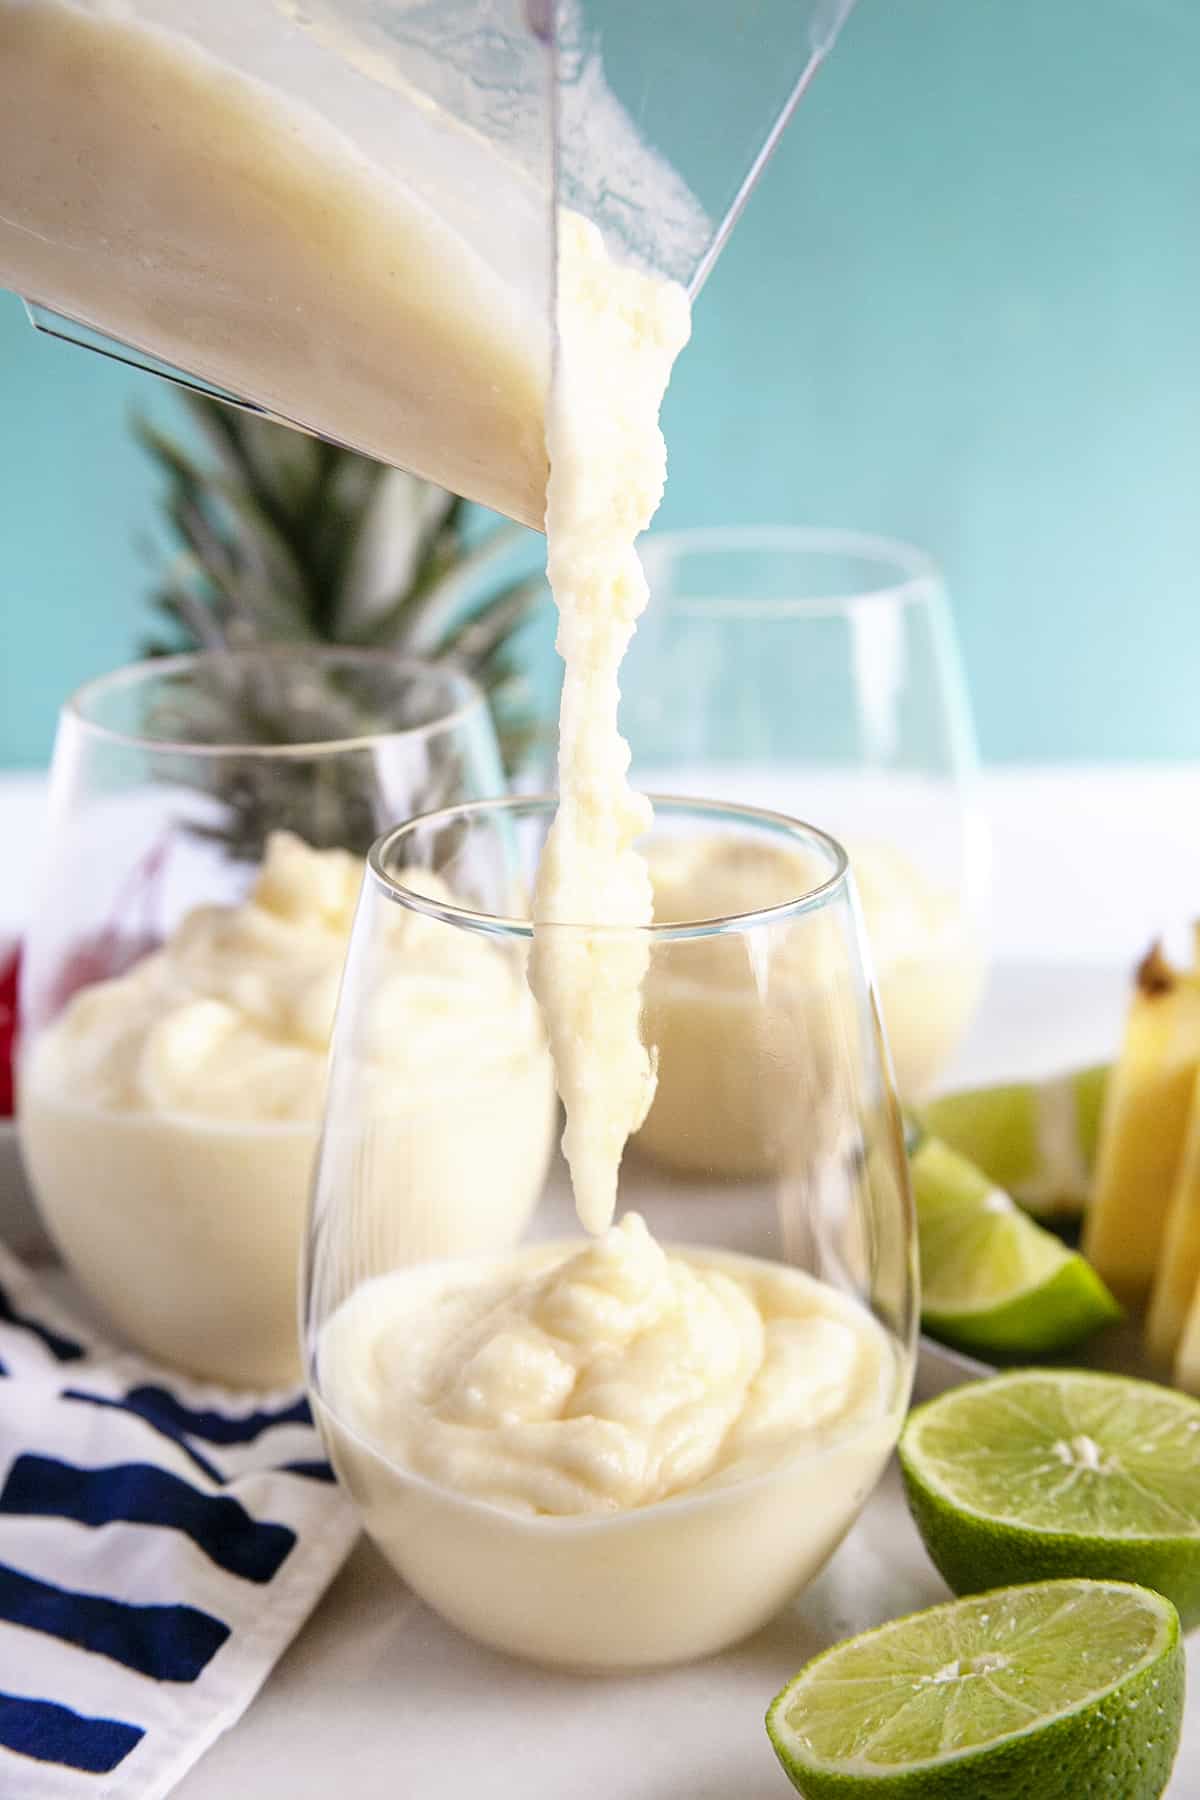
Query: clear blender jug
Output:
(343,212)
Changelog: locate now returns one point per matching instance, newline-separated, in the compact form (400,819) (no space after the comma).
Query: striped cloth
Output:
(160,1544)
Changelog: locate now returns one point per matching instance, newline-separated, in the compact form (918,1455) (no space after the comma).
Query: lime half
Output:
(1044,1692)
(1059,1472)
(992,1281)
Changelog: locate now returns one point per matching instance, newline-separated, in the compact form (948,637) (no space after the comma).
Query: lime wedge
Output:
(1046,1692)
(1059,1472)
(992,1281)
(1035,1139)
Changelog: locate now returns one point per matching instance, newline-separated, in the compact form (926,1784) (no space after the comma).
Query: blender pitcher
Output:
(342,212)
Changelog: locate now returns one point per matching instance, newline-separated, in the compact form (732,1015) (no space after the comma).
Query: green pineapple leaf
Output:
(283,538)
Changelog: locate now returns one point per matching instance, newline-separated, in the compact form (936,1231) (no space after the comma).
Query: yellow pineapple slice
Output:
(1179,1262)
(1143,1128)
(1187,1358)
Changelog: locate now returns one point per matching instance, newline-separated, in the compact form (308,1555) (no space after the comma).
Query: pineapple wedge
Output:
(1143,1128)
(1186,1373)
(1179,1264)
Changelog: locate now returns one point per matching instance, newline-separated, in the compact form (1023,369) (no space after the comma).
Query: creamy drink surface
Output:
(169,1117)
(617,1456)
(152,190)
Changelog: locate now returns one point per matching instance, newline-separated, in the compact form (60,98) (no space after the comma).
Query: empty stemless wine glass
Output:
(818,671)
(208,818)
(626,1450)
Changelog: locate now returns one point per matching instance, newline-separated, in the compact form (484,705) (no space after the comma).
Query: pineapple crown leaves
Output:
(286,538)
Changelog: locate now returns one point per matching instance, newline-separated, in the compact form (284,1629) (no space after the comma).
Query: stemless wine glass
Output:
(627,1450)
(818,671)
(208,817)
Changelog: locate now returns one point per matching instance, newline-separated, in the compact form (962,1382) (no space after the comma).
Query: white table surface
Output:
(376,1698)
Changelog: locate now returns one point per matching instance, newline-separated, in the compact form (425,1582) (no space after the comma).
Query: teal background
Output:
(964,308)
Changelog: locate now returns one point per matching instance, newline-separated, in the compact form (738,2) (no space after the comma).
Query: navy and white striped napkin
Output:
(160,1544)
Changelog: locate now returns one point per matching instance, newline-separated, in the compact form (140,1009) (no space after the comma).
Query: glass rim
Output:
(467,696)
(797,832)
(913,575)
